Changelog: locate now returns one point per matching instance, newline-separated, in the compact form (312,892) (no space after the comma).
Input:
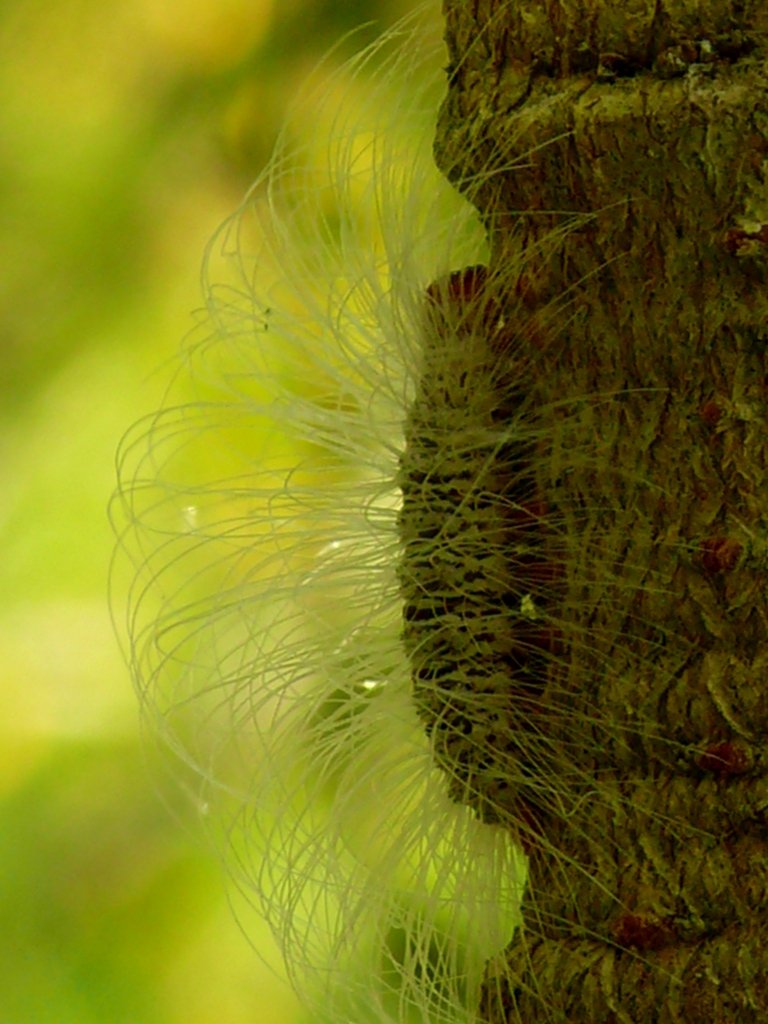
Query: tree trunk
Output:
(636,762)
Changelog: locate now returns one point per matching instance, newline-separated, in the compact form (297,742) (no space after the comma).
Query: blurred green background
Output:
(129,131)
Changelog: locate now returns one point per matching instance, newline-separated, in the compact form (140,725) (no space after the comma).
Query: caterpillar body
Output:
(404,612)
(474,572)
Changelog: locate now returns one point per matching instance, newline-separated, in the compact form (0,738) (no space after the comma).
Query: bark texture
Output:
(648,893)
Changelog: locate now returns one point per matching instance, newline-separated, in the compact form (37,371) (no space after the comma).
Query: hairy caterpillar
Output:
(265,620)
(393,653)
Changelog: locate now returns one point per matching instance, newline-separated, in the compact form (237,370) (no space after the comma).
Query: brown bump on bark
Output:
(719,554)
(710,413)
(724,759)
(739,242)
(636,931)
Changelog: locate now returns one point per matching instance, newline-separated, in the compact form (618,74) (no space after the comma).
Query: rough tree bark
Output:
(647,895)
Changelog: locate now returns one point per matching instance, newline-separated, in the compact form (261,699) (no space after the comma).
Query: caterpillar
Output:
(401,609)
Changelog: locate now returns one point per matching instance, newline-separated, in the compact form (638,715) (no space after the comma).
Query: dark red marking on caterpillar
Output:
(462,300)
(528,289)
(461,286)
(458,302)
(527,828)
(529,512)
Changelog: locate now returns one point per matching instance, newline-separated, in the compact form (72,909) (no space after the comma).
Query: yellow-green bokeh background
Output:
(129,131)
